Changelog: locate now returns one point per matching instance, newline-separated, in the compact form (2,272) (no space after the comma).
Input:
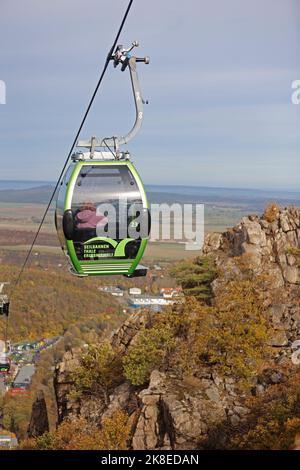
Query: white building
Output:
(135,291)
(115,291)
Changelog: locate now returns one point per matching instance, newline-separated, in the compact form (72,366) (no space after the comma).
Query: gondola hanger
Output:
(123,57)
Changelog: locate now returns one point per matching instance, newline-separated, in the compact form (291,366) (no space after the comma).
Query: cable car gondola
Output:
(98,205)
(4,301)
(102,214)
(4,364)
(4,307)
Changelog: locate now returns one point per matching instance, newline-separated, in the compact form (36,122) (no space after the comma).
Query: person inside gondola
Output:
(86,221)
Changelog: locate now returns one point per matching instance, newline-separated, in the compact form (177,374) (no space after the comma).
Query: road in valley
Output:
(2,385)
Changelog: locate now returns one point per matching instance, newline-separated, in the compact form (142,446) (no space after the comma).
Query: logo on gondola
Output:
(102,246)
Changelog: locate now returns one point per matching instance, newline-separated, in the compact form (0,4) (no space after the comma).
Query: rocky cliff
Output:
(169,413)
(206,409)
(268,244)
(269,247)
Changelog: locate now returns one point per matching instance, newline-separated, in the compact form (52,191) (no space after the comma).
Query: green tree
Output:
(150,349)
(195,277)
(100,370)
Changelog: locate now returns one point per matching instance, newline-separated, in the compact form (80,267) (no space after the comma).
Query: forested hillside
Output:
(48,302)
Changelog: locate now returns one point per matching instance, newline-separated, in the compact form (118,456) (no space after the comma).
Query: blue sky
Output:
(219,88)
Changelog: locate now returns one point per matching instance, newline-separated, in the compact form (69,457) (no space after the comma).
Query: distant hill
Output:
(249,199)
(38,195)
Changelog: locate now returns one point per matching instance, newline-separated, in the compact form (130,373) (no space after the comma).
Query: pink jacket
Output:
(88,219)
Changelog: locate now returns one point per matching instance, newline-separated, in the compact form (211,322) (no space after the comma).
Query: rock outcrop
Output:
(68,407)
(39,423)
(170,413)
(269,249)
(175,414)
(269,245)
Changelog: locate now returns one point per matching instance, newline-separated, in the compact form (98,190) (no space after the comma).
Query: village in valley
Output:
(134,297)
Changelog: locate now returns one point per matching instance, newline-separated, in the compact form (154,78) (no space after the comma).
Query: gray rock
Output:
(276,377)
(235,420)
(278,339)
(254,232)
(291,274)
(264,224)
(291,259)
(241,410)
(177,414)
(212,242)
(119,400)
(213,393)
(276,312)
(284,223)
(259,389)
(275,274)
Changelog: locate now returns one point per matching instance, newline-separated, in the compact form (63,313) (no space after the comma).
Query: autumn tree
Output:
(80,434)
(230,336)
(271,212)
(275,420)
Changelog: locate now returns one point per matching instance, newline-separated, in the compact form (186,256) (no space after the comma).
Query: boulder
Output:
(284,222)
(291,274)
(212,242)
(254,232)
(276,313)
(177,414)
(278,339)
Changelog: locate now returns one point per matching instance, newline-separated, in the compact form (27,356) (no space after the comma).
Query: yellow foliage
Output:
(99,371)
(79,434)
(47,303)
(275,419)
(230,336)
(271,212)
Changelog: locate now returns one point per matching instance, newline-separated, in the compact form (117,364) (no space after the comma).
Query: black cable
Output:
(6,331)
(108,58)
(114,155)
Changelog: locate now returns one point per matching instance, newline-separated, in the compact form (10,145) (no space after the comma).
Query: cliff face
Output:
(168,414)
(266,243)
(173,412)
(269,248)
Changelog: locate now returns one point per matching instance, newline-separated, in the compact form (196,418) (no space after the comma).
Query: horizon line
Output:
(247,188)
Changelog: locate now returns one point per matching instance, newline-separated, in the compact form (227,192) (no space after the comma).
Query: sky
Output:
(218,85)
